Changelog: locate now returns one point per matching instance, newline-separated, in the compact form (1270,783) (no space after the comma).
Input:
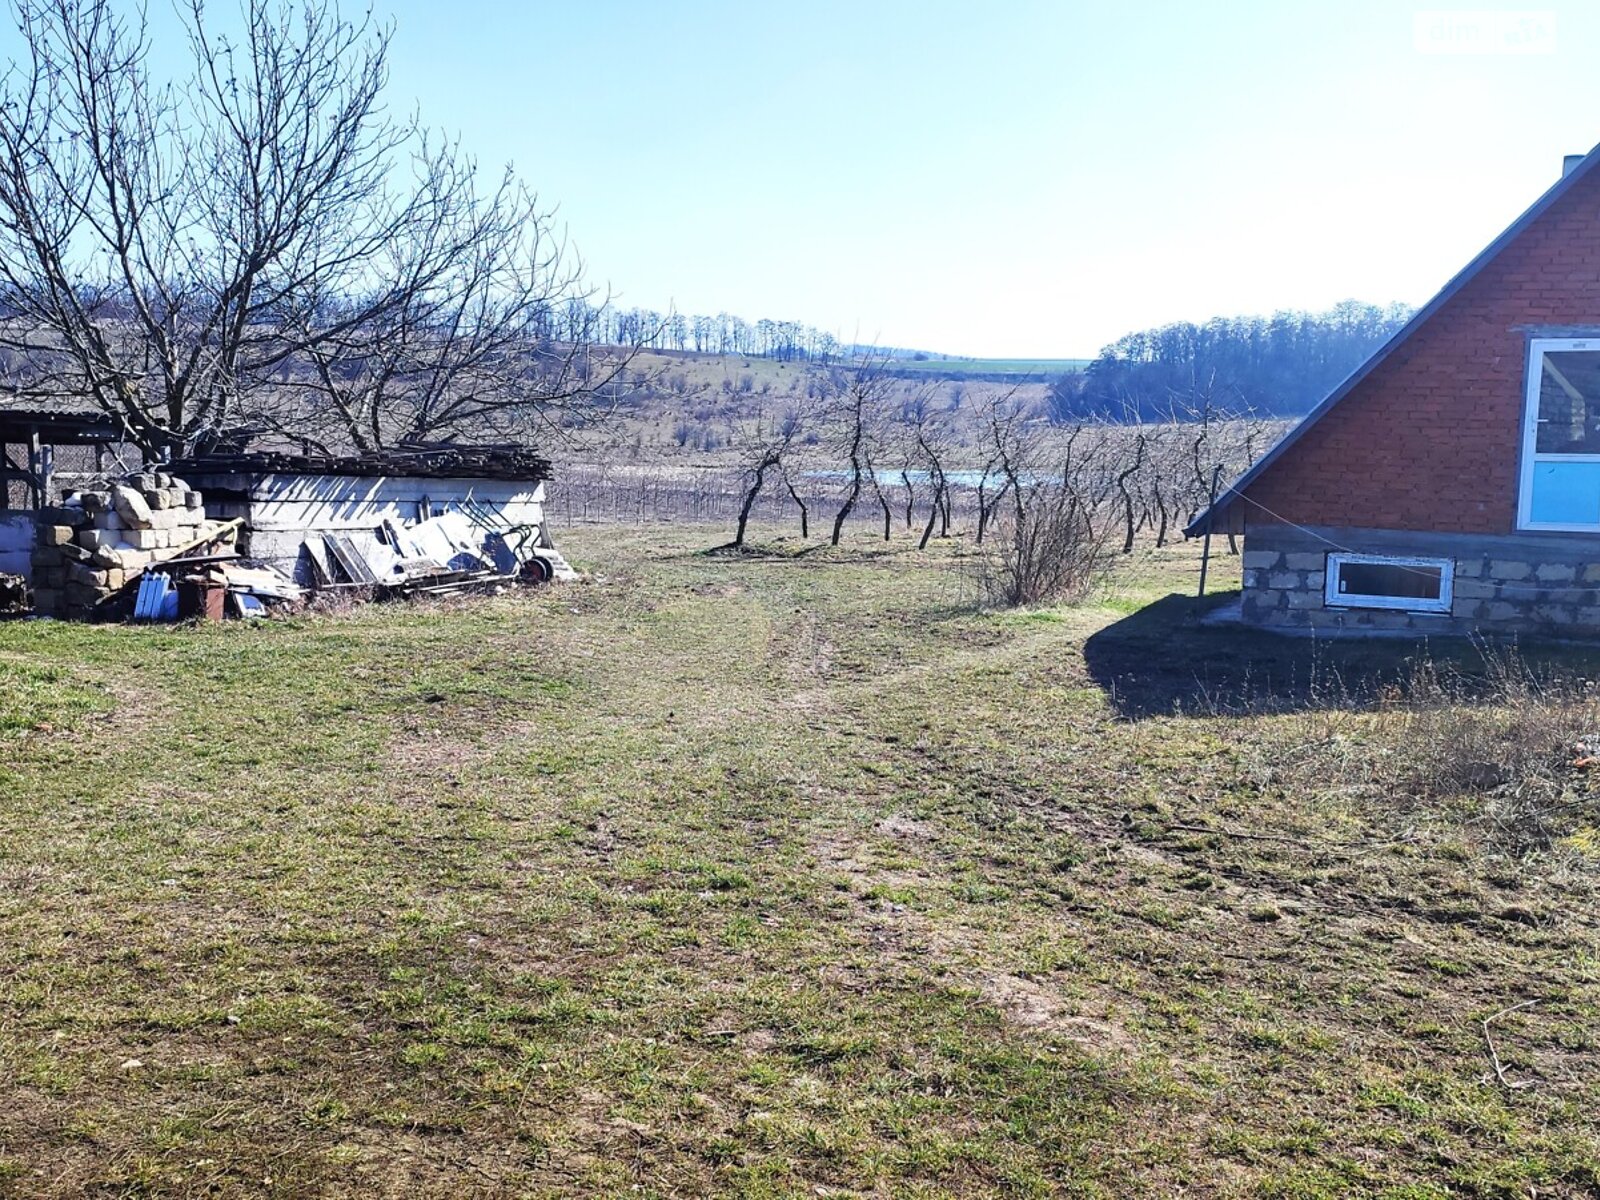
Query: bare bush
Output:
(1050,547)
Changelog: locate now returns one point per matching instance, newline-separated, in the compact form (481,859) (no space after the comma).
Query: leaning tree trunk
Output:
(933,510)
(805,524)
(1127,499)
(846,509)
(854,493)
(750,499)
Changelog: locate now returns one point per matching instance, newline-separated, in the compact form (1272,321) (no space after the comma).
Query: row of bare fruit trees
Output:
(1048,502)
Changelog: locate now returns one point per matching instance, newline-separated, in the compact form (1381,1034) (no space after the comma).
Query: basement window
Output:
(1380,581)
(1560,484)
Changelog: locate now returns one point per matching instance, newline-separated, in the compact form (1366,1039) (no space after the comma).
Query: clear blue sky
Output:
(1010,177)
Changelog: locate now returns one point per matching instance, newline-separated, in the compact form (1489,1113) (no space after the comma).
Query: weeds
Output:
(1520,743)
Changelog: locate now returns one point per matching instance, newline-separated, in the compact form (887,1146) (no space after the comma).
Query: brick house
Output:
(1452,482)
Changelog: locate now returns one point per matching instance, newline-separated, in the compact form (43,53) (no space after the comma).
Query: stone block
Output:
(53,535)
(1311,560)
(1268,598)
(84,575)
(131,507)
(157,498)
(146,539)
(105,557)
(61,514)
(165,518)
(1552,614)
(71,553)
(93,539)
(109,520)
(1591,573)
(1506,569)
(1390,620)
(48,600)
(134,560)
(47,556)
(1554,573)
(1475,589)
(1304,599)
(95,503)
(115,578)
(194,501)
(1261,560)
(1284,579)
(50,577)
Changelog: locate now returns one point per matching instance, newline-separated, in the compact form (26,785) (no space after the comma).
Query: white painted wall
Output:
(279,510)
(16,544)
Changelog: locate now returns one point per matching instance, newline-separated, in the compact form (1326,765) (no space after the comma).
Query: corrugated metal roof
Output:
(517,463)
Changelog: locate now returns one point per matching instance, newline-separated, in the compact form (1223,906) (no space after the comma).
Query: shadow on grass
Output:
(1161,661)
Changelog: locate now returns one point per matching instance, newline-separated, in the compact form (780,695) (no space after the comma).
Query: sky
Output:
(1011,178)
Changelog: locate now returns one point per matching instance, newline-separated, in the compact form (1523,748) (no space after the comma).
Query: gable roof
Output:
(1233,491)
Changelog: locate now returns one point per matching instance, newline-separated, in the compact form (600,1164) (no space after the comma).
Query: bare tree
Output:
(260,243)
(856,417)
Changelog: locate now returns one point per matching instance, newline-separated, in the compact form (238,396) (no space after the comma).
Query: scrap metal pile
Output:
(468,547)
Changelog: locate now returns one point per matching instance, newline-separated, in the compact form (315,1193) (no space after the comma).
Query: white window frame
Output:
(1333,598)
(1537,349)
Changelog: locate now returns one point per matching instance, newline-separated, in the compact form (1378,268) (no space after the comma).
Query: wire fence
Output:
(638,495)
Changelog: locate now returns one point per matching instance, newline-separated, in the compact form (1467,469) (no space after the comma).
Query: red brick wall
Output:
(1430,439)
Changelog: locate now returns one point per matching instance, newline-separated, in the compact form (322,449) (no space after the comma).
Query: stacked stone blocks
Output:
(95,542)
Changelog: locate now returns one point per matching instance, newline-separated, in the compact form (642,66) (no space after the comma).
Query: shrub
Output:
(1050,547)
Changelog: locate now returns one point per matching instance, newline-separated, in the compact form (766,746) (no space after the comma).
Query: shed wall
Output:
(280,510)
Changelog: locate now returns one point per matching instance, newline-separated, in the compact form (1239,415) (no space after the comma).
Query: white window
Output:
(1560,486)
(1379,581)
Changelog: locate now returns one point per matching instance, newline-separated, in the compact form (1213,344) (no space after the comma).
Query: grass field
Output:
(774,875)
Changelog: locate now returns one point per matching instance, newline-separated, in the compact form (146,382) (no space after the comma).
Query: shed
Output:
(285,499)
(1452,482)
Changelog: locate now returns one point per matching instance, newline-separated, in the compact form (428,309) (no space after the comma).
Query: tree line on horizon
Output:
(1275,366)
(1278,366)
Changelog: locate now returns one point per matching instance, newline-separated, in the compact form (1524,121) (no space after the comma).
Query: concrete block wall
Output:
(1537,584)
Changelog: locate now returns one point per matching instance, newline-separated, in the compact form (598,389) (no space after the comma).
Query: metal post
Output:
(1205,549)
